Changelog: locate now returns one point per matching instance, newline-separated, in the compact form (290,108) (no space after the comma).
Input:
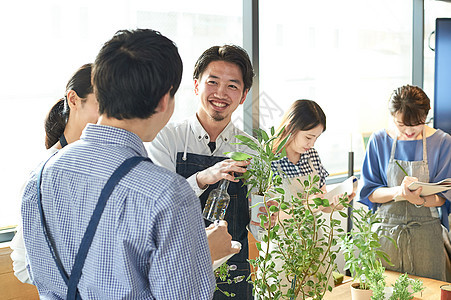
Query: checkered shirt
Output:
(302,167)
(150,242)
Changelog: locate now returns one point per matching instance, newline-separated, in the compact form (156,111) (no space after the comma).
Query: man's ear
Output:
(72,98)
(244,96)
(163,104)
(196,87)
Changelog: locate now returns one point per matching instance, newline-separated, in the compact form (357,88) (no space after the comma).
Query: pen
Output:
(402,169)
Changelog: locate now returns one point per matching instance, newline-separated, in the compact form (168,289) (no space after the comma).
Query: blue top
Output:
(302,167)
(378,155)
(150,242)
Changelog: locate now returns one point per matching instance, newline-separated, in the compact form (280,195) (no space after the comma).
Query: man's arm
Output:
(181,265)
(162,151)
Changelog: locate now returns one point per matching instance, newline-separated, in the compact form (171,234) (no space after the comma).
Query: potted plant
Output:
(360,248)
(262,183)
(404,287)
(303,240)
(363,258)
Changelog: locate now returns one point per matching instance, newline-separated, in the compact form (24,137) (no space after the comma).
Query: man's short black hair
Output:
(133,71)
(228,53)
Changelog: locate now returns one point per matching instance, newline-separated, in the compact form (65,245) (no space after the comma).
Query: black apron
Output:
(237,217)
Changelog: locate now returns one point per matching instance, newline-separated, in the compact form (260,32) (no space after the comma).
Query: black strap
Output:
(63,141)
(74,278)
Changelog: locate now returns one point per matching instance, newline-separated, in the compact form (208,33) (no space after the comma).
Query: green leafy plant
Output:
(361,248)
(259,175)
(223,274)
(304,240)
(363,258)
(376,281)
(401,289)
(304,243)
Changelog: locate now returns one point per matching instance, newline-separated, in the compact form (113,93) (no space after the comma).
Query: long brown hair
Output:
(303,115)
(56,119)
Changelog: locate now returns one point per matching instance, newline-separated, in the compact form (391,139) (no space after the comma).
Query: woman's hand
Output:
(411,196)
(262,211)
(334,203)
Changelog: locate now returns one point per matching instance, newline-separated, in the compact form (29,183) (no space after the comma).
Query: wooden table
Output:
(431,291)
(10,287)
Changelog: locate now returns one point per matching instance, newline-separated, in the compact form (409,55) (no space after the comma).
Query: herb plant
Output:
(361,248)
(401,288)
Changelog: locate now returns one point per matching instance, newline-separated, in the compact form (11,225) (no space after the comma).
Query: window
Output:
(433,9)
(346,55)
(46,41)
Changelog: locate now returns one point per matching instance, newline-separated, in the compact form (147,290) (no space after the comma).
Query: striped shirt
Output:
(150,242)
(302,167)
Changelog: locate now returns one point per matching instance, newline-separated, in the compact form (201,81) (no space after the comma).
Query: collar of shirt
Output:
(200,133)
(286,164)
(95,133)
(302,159)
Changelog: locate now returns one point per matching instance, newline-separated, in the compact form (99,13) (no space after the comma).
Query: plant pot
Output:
(255,209)
(256,230)
(388,291)
(358,294)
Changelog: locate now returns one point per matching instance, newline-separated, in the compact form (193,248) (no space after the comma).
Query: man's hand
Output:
(219,241)
(221,170)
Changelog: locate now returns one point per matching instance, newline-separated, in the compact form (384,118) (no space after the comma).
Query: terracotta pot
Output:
(358,294)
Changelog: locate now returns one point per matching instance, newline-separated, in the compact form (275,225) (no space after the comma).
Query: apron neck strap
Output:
(425,156)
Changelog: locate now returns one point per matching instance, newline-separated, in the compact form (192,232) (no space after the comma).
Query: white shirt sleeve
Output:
(18,256)
(161,150)
(193,183)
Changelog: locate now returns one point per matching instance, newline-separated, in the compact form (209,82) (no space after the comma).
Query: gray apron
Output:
(416,230)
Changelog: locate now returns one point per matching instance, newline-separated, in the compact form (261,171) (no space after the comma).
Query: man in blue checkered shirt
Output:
(150,242)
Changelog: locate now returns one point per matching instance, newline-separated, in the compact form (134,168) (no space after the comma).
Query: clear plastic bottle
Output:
(217,202)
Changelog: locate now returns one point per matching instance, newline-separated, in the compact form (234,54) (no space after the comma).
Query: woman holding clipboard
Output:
(411,151)
(304,122)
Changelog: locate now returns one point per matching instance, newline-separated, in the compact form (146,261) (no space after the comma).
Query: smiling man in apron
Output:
(411,151)
(195,148)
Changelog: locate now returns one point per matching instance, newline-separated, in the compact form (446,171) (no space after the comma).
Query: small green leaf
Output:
(343,214)
(265,136)
(318,201)
(273,208)
(280,191)
(239,156)
(259,246)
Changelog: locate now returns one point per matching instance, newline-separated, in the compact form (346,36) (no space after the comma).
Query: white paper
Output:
(428,188)
(348,186)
